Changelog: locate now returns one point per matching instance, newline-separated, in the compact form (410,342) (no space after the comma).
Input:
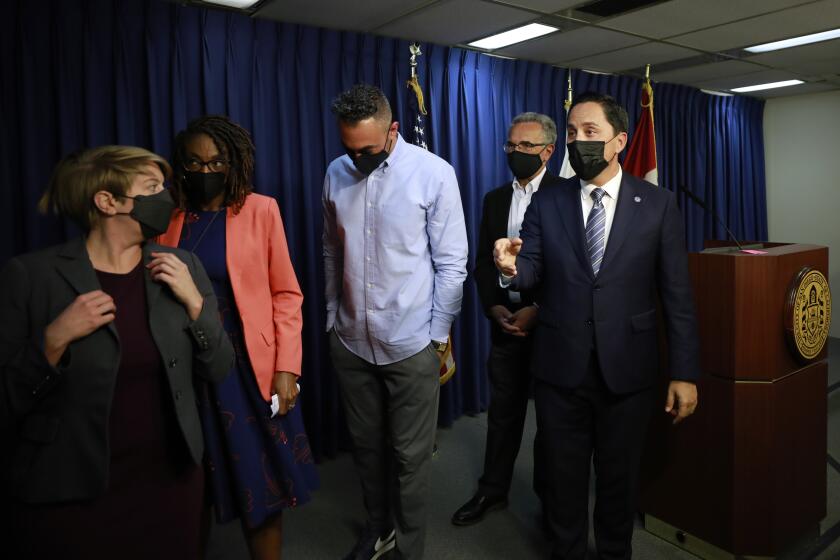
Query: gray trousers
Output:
(392,415)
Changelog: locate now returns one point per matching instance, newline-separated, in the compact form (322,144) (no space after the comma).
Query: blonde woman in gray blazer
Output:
(100,342)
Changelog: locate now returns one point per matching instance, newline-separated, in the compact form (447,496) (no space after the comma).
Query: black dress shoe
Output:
(474,510)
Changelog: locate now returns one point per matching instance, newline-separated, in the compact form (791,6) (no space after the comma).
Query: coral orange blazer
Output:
(264,285)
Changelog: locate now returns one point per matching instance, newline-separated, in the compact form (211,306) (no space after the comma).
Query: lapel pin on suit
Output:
(637,199)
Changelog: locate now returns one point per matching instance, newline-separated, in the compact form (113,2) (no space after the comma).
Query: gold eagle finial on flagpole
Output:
(413,82)
(647,88)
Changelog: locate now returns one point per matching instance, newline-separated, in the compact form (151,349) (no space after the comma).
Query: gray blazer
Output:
(54,420)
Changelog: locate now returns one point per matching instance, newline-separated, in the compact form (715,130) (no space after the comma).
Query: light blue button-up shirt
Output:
(395,253)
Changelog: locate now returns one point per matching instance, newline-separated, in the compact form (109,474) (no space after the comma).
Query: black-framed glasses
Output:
(524,146)
(214,165)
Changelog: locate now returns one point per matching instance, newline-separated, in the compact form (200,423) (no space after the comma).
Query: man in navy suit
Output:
(603,246)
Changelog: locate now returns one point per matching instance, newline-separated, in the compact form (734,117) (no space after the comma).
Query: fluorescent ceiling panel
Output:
(524,33)
(454,21)
(241,4)
(718,93)
(795,41)
(772,85)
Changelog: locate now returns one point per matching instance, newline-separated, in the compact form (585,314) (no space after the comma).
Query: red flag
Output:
(641,155)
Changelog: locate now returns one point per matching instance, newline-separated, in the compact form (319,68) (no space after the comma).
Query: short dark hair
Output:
(361,102)
(233,142)
(615,113)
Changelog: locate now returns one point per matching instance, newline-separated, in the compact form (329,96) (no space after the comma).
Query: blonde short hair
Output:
(82,174)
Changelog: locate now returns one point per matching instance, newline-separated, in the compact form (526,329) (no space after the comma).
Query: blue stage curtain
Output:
(80,73)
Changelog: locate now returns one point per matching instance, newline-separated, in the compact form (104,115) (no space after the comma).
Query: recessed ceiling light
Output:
(240,4)
(795,41)
(772,85)
(513,36)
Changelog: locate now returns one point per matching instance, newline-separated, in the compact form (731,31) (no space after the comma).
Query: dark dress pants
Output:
(509,371)
(583,425)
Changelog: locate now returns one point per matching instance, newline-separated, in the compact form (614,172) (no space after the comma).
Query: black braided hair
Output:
(233,142)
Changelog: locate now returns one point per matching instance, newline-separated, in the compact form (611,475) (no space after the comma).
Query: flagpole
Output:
(566,170)
(568,103)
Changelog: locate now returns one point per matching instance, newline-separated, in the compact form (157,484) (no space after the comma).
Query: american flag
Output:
(419,138)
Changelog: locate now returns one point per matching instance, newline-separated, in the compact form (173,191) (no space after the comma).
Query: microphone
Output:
(699,202)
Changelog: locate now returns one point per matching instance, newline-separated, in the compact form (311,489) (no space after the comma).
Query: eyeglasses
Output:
(528,147)
(214,165)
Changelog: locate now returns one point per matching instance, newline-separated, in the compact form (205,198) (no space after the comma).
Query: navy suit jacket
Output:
(615,312)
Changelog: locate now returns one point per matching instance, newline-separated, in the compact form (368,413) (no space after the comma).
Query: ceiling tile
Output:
(711,71)
(456,21)
(569,45)
(763,77)
(681,16)
(633,57)
(359,15)
(544,6)
(815,67)
(801,20)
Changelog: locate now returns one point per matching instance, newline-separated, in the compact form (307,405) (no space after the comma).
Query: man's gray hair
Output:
(548,126)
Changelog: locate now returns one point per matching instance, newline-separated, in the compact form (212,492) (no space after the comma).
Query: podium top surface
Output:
(755,248)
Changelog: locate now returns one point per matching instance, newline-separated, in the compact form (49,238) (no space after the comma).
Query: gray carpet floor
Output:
(327,527)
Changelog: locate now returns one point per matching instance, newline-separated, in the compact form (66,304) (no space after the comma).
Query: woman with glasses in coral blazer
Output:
(258,463)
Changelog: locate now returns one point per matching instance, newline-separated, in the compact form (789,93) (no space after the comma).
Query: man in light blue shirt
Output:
(395,255)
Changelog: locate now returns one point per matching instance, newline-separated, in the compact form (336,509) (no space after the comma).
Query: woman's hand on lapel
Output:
(170,270)
(87,313)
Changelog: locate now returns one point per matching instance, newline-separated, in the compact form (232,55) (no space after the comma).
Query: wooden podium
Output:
(746,475)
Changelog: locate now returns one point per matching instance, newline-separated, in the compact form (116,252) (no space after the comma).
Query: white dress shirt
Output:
(518,205)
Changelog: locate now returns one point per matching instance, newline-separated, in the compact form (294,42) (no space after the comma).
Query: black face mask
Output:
(367,163)
(201,188)
(587,157)
(524,165)
(153,212)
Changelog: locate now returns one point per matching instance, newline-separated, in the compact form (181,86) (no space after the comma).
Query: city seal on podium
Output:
(808,314)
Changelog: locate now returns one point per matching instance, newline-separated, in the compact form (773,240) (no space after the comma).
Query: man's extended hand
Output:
(682,400)
(504,254)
